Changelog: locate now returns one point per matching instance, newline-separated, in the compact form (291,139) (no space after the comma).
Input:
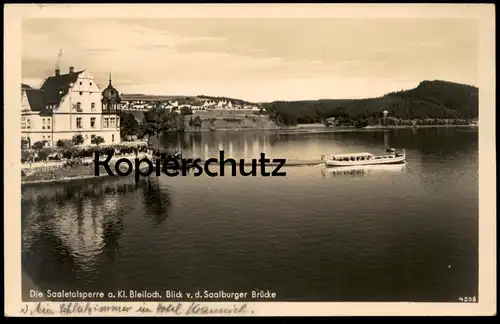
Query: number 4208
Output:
(468,299)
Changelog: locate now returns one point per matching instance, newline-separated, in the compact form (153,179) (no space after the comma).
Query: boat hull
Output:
(395,160)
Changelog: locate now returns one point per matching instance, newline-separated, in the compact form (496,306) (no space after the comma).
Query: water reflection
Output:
(401,224)
(156,199)
(362,170)
(70,230)
(429,142)
(208,144)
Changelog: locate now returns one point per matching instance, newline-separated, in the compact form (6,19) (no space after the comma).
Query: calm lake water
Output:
(392,234)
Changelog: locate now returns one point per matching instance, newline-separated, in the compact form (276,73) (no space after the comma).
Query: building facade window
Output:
(81,93)
(43,123)
(92,122)
(106,122)
(112,138)
(117,121)
(112,122)
(79,122)
(92,106)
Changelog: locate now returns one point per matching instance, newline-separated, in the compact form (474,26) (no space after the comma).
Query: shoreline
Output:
(306,127)
(419,126)
(63,180)
(292,163)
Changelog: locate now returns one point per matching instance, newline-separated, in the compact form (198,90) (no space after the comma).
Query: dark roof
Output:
(52,91)
(110,94)
(36,99)
(57,86)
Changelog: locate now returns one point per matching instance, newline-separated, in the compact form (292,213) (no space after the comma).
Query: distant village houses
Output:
(69,104)
(195,104)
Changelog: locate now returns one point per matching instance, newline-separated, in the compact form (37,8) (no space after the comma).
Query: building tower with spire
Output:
(111,108)
(111,99)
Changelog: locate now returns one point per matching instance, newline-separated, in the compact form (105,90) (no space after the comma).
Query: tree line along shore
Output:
(430,103)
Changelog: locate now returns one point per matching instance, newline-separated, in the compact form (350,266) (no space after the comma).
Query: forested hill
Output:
(430,99)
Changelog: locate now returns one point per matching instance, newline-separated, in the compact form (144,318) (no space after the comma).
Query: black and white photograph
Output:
(242,159)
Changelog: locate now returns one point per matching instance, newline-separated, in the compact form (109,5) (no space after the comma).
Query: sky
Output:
(255,59)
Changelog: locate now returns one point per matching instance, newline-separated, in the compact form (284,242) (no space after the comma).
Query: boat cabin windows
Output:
(385,157)
(351,158)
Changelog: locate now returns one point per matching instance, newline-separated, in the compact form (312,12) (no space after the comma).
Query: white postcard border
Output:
(13,15)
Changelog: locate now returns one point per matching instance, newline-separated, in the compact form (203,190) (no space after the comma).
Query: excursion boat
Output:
(365,158)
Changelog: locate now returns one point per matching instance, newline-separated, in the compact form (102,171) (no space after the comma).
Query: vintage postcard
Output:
(249,160)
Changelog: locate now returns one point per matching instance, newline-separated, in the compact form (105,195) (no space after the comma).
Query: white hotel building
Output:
(70,104)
